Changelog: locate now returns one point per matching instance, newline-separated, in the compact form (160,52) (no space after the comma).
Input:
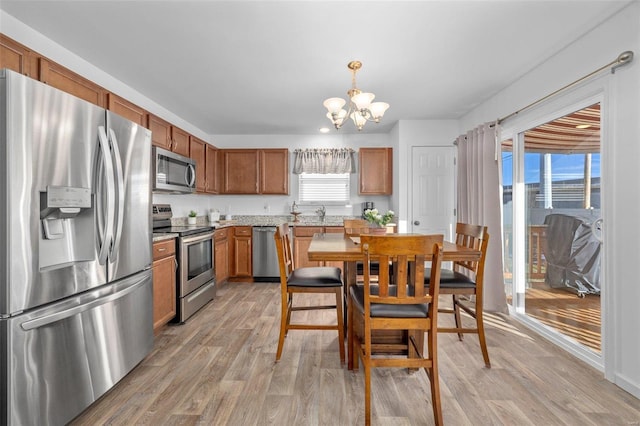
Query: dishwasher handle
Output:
(264,229)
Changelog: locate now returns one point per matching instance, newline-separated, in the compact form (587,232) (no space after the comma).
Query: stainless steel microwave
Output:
(173,172)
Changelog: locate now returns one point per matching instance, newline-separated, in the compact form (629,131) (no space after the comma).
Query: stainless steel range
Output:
(196,284)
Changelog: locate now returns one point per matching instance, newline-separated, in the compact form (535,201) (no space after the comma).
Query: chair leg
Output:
(285,316)
(456,313)
(481,336)
(350,348)
(367,393)
(434,379)
(340,318)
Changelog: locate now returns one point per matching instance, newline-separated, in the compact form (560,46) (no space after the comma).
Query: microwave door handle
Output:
(191,171)
(108,175)
(119,188)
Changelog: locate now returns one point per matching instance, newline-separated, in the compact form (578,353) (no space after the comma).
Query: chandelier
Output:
(361,108)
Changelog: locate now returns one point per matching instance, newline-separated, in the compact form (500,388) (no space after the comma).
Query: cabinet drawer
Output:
(334,229)
(307,231)
(221,234)
(242,231)
(163,249)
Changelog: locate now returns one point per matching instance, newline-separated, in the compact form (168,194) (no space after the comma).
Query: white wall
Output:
(621,156)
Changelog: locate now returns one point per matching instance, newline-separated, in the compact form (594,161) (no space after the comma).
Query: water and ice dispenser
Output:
(68,230)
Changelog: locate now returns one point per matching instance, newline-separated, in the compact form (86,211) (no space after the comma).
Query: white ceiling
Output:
(264,67)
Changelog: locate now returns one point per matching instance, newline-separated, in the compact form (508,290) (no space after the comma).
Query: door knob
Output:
(416,222)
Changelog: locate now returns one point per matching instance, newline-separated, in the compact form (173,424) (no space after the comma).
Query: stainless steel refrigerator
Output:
(76,301)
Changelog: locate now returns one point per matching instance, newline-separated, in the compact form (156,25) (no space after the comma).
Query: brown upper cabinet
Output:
(375,171)
(255,171)
(61,78)
(274,171)
(166,136)
(17,57)
(126,109)
(197,154)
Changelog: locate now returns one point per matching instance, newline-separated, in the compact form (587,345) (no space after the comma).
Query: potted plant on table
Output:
(378,222)
(191,220)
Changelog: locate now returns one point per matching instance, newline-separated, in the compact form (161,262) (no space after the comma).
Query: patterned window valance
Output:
(323,161)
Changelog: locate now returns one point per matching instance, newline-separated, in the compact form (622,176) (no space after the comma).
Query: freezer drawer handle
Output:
(58,316)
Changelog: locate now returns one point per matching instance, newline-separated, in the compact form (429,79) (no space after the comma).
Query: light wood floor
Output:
(218,369)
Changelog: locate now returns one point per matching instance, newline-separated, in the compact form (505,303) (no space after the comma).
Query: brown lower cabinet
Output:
(164,282)
(302,239)
(221,254)
(241,262)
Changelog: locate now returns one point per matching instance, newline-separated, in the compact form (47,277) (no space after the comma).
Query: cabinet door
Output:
(180,140)
(197,154)
(242,249)
(61,78)
(126,109)
(16,57)
(274,171)
(164,291)
(240,171)
(222,260)
(212,181)
(375,171)
(160,131)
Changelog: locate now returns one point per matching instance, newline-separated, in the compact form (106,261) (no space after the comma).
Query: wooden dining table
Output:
(335,247)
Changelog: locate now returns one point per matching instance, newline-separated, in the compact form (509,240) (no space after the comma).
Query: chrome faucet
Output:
(322,211)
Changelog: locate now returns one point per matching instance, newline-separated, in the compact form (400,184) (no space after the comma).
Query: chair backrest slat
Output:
(408,254)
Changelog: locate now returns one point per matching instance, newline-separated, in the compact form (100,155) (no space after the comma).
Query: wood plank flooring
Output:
(219,369)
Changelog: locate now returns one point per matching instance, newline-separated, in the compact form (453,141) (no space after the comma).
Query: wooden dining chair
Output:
(355,227)
(313,279)
(464,281)
(405,305)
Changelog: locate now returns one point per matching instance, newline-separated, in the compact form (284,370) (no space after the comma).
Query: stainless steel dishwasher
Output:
(265,257)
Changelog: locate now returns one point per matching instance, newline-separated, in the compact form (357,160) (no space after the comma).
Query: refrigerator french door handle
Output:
(190,171)
(67,313)
(119,187)
(108,169)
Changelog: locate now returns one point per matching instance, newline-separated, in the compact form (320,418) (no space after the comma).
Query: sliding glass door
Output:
(552,218)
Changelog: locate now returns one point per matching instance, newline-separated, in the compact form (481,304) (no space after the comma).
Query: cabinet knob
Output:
(416,222)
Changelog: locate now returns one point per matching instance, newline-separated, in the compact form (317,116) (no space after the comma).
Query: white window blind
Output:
(334,187)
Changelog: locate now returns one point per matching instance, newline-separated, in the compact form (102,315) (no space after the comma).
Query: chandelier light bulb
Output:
(333,105)
(358,120)
(378,109)
(362,100)
(337,118)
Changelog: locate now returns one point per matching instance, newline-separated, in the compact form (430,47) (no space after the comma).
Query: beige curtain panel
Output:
(323,161)
(479,203)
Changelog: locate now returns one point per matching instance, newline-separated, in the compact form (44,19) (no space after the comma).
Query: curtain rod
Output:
(623,59)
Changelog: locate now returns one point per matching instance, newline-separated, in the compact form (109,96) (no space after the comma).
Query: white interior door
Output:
(433,191)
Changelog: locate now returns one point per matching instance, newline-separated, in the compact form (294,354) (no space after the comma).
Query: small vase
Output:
(191,220)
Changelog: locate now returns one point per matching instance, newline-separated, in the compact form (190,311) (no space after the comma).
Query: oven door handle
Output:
(196,238)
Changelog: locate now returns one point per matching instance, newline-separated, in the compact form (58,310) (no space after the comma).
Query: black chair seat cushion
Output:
(386,310)
(315,276)
(451,279)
